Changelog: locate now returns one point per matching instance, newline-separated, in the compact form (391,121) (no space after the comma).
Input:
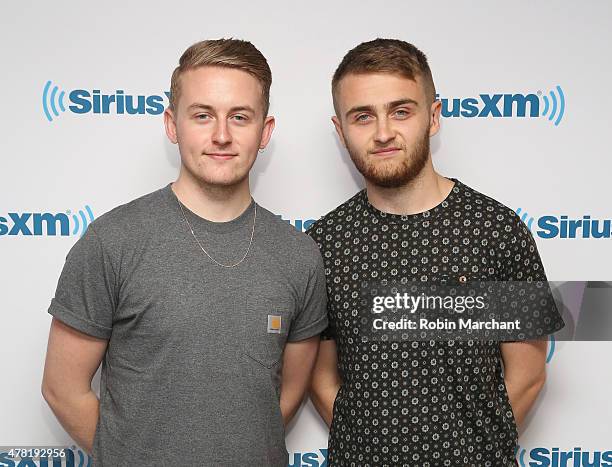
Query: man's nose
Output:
(384,134)
(222,134)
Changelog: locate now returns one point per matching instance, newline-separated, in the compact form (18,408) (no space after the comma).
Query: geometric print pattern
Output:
(420,403)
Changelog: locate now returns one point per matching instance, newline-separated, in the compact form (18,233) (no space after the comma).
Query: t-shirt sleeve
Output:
(524,268)
(85,295)
(329,332)
(522,260)
(312,316)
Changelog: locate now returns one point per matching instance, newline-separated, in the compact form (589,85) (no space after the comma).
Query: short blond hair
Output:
(230,53)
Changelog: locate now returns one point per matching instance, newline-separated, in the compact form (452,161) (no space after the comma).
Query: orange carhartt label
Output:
(274,324)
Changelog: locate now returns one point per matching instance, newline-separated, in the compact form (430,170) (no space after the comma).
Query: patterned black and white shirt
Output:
(421,403)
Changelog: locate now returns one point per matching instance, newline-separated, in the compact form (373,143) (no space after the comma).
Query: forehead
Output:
(378,89)
(219,87)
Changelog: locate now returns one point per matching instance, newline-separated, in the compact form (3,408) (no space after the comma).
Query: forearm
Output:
(290,400)
(298,360)
(78,415)
(522,395)
(323,399)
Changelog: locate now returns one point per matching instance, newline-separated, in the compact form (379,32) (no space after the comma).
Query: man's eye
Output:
(202,116)
(362,118)
(402,113)
(240,118)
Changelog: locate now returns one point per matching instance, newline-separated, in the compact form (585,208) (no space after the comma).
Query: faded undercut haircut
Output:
(229,53)
(391,56)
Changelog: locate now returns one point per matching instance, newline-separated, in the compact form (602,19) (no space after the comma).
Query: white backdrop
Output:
(59,164)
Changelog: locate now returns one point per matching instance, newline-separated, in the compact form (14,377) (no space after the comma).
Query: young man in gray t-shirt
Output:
(203,308)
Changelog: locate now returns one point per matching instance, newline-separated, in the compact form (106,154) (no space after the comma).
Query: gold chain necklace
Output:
(206,252)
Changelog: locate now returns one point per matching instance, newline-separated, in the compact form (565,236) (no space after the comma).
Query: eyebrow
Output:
(239,108)
(388,105)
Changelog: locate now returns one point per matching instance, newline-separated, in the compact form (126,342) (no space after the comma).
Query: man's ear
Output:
(170,124)
(266,133)
(434,117)
(338,126)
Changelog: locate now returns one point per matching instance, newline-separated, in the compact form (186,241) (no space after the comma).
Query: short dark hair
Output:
(229,53)
(385,56)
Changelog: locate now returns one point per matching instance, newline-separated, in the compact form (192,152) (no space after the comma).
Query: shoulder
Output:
(490,213)
(285,242)
(334,221)
(129,220)
(502,227)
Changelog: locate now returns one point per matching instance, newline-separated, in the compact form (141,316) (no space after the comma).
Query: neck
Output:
(424,192)
(212,202)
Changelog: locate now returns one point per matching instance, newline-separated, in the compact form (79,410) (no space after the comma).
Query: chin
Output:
(224,182)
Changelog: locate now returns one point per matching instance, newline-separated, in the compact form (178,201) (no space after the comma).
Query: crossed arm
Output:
(524,375)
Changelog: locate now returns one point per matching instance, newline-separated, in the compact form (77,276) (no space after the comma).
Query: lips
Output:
(221,155)
(385,152)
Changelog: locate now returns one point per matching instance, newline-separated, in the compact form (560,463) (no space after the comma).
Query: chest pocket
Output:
(266,324)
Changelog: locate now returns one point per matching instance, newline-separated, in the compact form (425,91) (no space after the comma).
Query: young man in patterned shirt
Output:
(415,402)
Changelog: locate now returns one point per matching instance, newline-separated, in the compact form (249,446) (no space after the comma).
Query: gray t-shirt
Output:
(191,375)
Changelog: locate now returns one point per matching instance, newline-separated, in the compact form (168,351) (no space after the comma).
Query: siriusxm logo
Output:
(300,224)
(82,101)
(309,459)
(564,227)
(550,106)
(555,457)
(68,457)
(46,224)
(551,348)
